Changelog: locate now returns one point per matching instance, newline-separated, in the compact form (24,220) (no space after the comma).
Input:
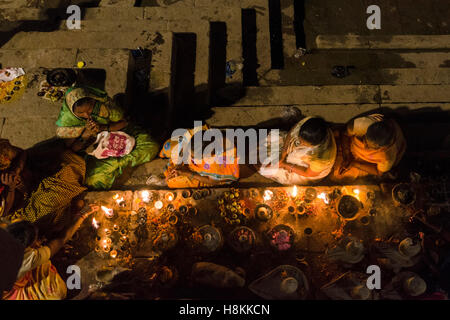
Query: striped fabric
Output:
(54,194)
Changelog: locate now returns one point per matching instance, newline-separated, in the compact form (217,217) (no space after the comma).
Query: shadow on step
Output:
(54,17)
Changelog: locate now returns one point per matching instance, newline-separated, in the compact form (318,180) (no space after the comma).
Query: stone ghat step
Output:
(285,116)
(343,94)
(86,40)
(303,76)
(390,42)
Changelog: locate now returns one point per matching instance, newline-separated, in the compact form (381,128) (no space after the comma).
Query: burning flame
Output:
(118,200)
(267,195)
(294,191)
(95,223)
(145,196)
(158,205)
(108,212)
(356,192)
(323,196)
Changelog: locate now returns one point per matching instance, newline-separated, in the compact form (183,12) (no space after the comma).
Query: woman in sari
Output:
(52,196)
(369,146)
(306,154)
(213,170)
(37,278)
(86,111)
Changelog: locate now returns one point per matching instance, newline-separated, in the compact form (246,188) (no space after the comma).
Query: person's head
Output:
(83,107)
(379,134)
(314,131)
(24,232)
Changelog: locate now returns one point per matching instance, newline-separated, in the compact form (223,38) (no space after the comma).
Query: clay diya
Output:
(242,239)
(348,207)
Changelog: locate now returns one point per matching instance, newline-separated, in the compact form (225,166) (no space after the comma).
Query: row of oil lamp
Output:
(146,197)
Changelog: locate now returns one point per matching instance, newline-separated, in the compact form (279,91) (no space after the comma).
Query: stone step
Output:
(389,42)
(113,61)
(85,40)
(400,76)
(341,94)
(282,116)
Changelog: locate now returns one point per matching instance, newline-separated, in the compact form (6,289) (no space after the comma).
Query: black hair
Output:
(23,231)
(380,133)
(81,102)
(314,131)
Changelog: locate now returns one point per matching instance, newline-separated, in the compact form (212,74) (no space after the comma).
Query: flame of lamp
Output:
(95,223)
(109,213)
(169,196)
(294,192)
(145,196)
(113,254)
(158,204)
(267,195)
(323,196)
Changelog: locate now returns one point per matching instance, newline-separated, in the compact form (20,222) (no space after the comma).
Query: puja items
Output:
(263,212)
(348,207)
(281,237)
(242,239)
(166,239)
(403,195)
(230,207)
(214,275)
(207,239)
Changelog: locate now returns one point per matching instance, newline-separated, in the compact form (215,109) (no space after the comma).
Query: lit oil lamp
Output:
(113,254)
(116,227)
(119,200)
(267,195)
(158,205)
(356,192)
(169,196)
(294,192)
(324,197)
(109,213)
(95,223)
(145,195)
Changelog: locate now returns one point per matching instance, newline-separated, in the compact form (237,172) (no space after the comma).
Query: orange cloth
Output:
(386,157)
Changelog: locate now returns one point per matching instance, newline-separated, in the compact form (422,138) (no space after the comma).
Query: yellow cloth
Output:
(54,194)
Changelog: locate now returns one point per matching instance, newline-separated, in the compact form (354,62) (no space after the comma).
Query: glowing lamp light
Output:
(169,196)
(323,196)
(356,192)
(113,254)
(119,200)
(145,196)
(294,192)
(158,204)
(109,213)
(267,195)
(95,223)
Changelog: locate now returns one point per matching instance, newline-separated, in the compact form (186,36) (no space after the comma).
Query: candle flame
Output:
(108,212)
(95,223)
(356,191)
(267,195)
(294,191)
(116,196)
(323,196)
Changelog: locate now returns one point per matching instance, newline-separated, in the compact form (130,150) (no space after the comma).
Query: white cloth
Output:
(10,74)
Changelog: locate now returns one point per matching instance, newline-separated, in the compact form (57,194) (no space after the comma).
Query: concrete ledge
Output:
(383,42)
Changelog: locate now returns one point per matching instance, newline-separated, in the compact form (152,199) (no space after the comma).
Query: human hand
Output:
(92,208)
(10,179)
(92,126)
